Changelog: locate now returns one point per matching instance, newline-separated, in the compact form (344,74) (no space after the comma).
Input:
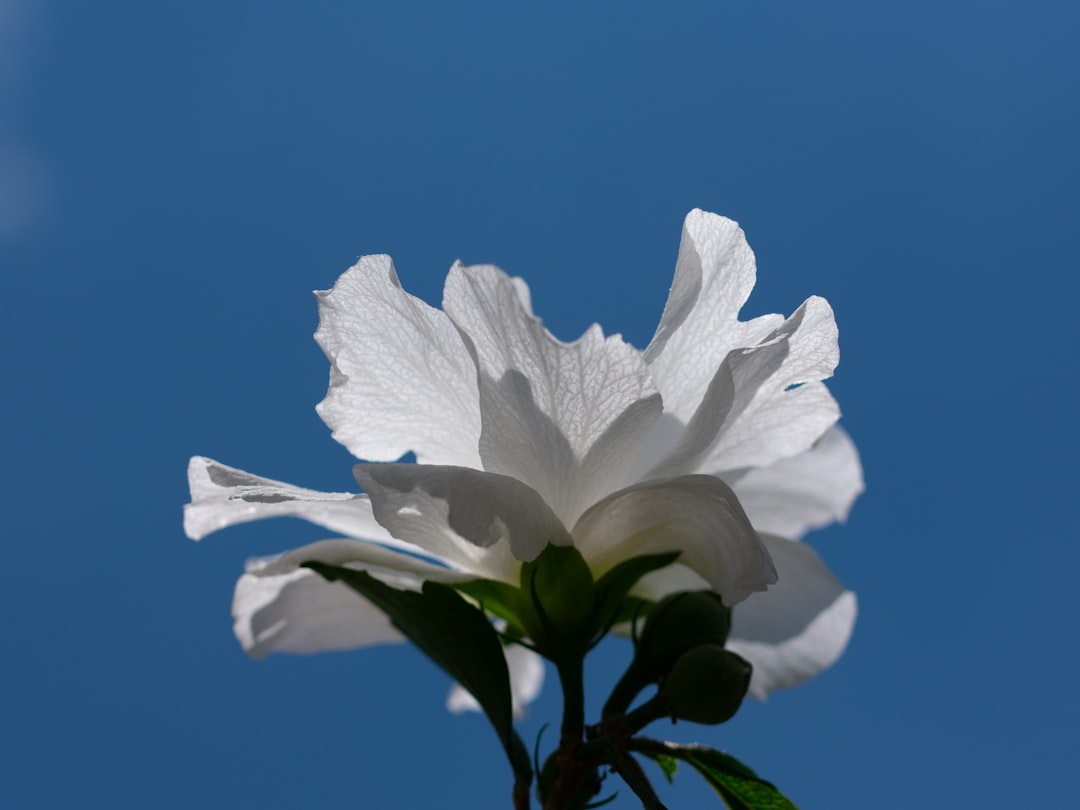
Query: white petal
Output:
(400,570)
(799,627)
(804,492)
(714,275)
(748,393)
(300,612)
(673,578)
(478,521)
(526,680)
(278,607)
(401,378)
(780,407)
(697,515)
(224,496)
(546,404)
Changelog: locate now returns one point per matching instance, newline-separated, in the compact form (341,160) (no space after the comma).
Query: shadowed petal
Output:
(526,680)
(697,515)
(224,496)
(799,627)
(478,521)
(300,612)
(400,379)
(547,404)
(804,492)
(279,607)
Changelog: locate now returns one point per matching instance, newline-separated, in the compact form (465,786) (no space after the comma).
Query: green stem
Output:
(629,687)
(571,771)
(572,678)
(652,709)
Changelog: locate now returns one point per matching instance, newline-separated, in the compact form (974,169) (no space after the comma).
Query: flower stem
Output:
(571,770)
(571,677)
(521,794)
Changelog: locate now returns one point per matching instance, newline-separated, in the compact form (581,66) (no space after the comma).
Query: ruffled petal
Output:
(548,405)
(804,492)
(748,393)
(279,607)
(781,408)
(697,515)
(526,680)
(401,378)
(799,627)
(714,275)
(224,496)
(480,522)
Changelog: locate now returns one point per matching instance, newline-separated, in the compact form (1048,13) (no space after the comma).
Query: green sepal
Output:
(561,588)
(457,637)
(500,599)
(737,785)
(612,603)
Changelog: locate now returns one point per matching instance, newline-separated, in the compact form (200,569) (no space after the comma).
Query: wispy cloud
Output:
(22,174)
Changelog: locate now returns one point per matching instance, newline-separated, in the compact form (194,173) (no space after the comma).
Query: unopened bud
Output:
(561,586)
(679,623)
(707,685)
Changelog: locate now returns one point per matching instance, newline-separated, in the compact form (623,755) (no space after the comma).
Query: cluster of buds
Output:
(681,650)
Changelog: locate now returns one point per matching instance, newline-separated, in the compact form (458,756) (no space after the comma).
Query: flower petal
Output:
(279,607)
(799,627)
(526,680)
(401,378)
(224,496)
(804,492)
(714,275)
(547,404)
(300,612)
(698,515)
(781,407)
(477,521)
(748,393)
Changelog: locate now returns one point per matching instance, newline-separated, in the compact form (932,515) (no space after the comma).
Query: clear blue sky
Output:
(176,177)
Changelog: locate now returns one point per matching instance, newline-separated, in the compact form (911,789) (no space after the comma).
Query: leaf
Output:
(612,587)
(738,786)
(457,637)
(627,767)
(499,599)
(669,765)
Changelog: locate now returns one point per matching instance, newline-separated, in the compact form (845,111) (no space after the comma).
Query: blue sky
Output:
(175,178)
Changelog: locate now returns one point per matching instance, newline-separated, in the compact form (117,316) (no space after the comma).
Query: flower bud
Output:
(707,685)
(678,623)
(561,586)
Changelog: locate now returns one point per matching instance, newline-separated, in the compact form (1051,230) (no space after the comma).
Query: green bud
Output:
(562,589)
(707,685)
(678,623)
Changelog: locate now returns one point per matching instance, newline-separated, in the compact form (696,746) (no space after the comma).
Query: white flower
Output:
(522,440)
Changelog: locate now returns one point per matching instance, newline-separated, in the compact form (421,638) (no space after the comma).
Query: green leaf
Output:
(669,765)
(457,637)
(612,587)
(738,786)
(502,600)
(627,767)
